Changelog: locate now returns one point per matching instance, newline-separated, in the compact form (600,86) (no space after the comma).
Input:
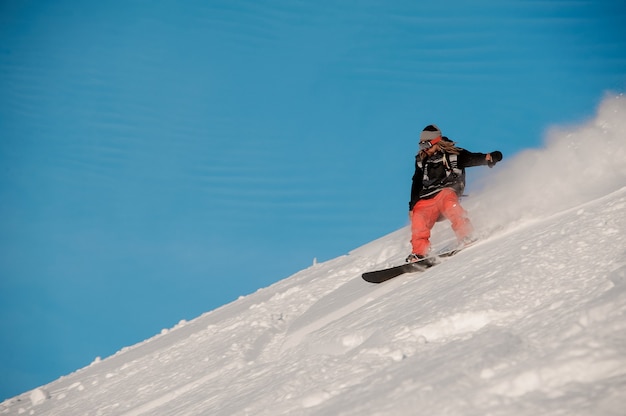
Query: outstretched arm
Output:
(468,159)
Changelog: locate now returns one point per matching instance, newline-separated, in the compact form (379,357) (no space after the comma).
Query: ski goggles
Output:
(429,143)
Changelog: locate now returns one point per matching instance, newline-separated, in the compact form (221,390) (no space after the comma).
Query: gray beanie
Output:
(430,132)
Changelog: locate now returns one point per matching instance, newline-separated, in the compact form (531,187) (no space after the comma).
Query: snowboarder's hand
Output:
(493,158)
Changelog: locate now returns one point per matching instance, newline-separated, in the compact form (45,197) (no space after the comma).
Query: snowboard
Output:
(449,252)
(379,276)
(454,249)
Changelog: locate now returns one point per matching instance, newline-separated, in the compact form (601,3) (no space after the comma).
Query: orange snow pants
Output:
(427,211)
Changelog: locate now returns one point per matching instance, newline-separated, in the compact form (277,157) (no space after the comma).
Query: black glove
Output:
(495,158)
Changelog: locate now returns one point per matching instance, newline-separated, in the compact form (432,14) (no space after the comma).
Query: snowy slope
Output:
(532,320)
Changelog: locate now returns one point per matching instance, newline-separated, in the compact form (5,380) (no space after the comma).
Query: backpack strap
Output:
(451,163)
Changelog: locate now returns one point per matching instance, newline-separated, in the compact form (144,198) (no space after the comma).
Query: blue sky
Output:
(160,160)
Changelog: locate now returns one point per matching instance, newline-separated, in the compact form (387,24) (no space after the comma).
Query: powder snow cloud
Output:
(576,164)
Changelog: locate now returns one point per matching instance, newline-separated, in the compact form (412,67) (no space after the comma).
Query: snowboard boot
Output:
(418,258)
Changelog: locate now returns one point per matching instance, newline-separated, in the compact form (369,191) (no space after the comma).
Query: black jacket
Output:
(442,170)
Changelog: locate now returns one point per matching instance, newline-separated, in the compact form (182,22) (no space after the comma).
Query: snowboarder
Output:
(438,182)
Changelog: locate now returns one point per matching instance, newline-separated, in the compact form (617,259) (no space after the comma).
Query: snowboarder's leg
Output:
(423,218)
(451,208)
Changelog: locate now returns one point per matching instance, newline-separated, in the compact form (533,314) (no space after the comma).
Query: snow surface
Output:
(529,321)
